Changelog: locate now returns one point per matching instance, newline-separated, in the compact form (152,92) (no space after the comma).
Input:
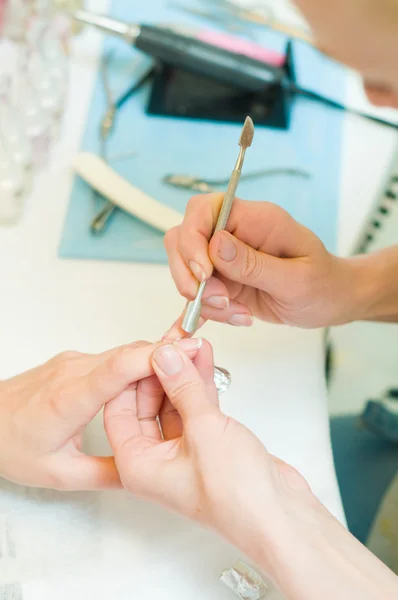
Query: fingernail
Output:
(168,360)
(197,271)
(227,249)
(241,320)
(173,335)
(189,344)
(217,301)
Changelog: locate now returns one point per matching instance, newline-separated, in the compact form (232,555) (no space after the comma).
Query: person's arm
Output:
(315,557)
(269,266)
(379,283)
(198,462)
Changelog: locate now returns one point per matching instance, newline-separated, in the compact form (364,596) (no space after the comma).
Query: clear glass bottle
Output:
(12,190)
(16,142)
(50,91)
(36,122)
(68,7)
(5,88)
(12,131)
(2,15)
(16,19)
(53,50)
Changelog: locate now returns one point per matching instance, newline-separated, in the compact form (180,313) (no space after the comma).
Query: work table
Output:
(110,545)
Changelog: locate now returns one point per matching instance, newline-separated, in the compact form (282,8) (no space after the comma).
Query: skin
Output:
(363,35)
(270,267)
(43,414)
(161,410)
(206,466)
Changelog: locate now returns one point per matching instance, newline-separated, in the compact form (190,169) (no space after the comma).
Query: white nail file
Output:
(118,190)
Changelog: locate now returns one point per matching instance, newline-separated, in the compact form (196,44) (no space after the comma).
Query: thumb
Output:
(80,401)
(187,391)
(240,263)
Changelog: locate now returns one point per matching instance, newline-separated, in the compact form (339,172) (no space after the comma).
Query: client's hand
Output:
(213,470)
(173,445)
(43,414)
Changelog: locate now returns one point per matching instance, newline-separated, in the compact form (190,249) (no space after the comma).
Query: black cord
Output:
(339,106)
(135,88)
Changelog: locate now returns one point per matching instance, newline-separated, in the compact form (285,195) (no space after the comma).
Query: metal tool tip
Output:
(246,138)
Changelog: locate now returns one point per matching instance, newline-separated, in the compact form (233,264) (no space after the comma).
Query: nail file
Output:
(101,177)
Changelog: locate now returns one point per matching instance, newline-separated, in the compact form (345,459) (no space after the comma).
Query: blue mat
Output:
(166,146)
(366,466)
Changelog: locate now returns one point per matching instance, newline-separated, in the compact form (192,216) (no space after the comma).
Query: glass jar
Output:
(12,190)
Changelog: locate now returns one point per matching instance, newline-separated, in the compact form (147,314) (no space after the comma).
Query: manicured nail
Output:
(173,335)
(226,248)
(197,271)
(168,360)
(189,344)
(241,320)
(168,337)
(217,301)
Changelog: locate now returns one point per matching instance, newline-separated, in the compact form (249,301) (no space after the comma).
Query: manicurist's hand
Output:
(43,414)
(266,266)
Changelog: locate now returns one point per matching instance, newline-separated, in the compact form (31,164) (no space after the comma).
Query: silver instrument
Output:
(194,308)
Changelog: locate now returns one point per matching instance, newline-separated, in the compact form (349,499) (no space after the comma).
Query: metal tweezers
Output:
(101,220)
(207,186)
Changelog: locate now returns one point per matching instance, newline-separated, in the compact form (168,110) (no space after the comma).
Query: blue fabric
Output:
(366,465)
(207,149)
(378,419)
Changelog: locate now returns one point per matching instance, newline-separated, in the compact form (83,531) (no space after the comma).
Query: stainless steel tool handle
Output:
(228,201)
(102,219)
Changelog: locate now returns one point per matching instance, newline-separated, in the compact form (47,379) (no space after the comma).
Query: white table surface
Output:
(108,545)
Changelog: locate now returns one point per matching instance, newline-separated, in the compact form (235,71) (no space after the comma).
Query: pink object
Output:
(240,46)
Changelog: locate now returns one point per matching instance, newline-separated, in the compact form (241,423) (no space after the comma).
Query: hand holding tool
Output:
(194,308)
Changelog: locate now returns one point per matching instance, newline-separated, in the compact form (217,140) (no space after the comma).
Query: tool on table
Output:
(108,120)
(102,219)
(187,64)
(208,186)
(121,193)
(236,45)
(190,54)
(207,75)
(101,177)
(106,127)
(115,104)
(194,308)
